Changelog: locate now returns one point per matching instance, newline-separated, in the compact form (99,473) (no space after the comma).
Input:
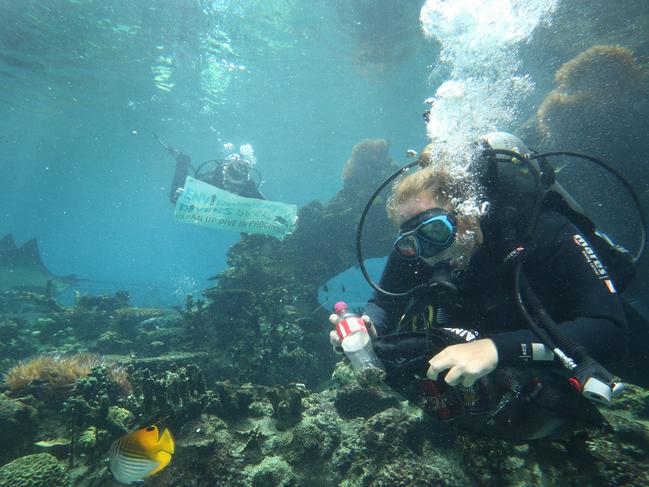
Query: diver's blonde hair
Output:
(434,179)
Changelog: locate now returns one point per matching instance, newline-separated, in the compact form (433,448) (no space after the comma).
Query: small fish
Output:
(342,288)
(325,288)
(155,321)
(140,454)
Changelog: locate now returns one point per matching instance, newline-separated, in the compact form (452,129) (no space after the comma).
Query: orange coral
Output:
(600,68)
(601,94)
(369,161)
(54,376)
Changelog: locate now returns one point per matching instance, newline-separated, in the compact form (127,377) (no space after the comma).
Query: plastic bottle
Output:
(355,339)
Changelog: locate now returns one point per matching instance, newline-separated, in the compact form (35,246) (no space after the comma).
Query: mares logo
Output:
(468,335)
(593,261)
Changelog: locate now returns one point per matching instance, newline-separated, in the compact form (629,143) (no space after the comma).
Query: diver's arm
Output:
(251,190)
(570,273)
(398,276)
(183,162)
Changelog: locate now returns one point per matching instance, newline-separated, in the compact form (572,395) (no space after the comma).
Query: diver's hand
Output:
(465,362)
(334,339)
(334,319)
(371,329)
(182,158)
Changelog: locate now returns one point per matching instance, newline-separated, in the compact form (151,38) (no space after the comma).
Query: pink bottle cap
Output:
(339,306)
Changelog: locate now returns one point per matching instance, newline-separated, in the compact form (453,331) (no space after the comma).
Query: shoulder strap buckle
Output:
(515,255)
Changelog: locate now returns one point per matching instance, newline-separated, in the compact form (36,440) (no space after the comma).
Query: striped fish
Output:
(140,454)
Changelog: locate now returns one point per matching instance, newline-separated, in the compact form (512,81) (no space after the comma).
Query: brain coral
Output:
(40,470)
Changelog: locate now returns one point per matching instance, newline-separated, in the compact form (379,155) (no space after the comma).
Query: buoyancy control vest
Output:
(517,194)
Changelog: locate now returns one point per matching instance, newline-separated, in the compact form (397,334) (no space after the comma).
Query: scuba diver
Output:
(231,174)
(502,316)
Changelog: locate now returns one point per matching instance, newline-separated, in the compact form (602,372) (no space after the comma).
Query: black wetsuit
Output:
(580,298)
(247,188)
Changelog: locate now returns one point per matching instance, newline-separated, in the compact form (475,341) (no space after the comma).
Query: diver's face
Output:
(468,237)
(236,170)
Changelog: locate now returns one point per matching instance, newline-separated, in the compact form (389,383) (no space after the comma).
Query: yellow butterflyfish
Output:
(140,454)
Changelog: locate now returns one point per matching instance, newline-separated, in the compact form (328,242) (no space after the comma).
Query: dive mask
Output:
(426,235)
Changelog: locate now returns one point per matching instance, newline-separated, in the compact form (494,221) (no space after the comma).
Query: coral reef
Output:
(93,314)
(18,423)
(602,93)
(16,339)
(53,377)
(91,416)
(354,400)
(271,471)
(262,309)
(18,302)
(287,435)
(194,317)
(370,156)
(408,471)
(87,440)
(245,389)
(230,401)
(635,400)
(98,410)
(178,393)
(100,302)
(287,403)
(39,470)
(111,342)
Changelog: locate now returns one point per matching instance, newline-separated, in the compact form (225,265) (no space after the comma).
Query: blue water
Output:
(82,172)
(85,84)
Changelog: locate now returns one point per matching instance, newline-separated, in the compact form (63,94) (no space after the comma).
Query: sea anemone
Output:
(50,376)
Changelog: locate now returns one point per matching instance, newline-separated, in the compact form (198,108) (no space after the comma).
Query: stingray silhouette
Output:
(22,269)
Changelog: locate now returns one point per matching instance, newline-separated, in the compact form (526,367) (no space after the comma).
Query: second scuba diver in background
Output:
(231,174)
(452,333)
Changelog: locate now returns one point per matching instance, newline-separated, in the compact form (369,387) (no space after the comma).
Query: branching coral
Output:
(54,376)
(194,317)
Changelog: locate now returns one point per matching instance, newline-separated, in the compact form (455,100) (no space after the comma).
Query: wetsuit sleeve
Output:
(183,162)
(250,190)
(571,277)
(398,276)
